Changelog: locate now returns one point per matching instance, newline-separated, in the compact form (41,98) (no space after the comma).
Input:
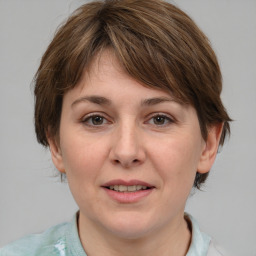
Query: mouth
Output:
(131,191)
(124,188)
(128,192)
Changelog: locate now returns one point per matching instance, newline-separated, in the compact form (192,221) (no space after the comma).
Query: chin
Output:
(130,227)
(130,233)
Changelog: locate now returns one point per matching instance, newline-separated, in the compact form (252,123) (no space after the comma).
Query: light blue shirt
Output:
(63,240)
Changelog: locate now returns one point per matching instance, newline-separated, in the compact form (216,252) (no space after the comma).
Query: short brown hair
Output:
(155,42)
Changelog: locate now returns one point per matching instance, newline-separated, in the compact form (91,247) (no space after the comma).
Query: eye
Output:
(160,120)
(95,120)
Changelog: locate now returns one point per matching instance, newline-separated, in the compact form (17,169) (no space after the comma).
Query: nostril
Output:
(126,164)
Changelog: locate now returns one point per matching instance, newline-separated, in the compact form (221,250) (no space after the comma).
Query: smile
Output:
(128,192)
(123,188)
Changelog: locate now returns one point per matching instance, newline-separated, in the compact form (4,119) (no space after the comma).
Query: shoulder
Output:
(49,242)
(201,243)
(214,250)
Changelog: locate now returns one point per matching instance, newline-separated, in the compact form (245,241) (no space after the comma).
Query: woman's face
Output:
(130,153)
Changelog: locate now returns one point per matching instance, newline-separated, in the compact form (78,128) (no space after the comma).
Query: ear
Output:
(210,148)
(56,153)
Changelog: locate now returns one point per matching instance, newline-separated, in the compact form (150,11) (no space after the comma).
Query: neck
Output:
(166,241)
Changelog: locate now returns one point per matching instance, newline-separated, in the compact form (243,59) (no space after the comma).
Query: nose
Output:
(127,147)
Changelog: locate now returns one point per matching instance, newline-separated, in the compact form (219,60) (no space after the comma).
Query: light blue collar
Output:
(200,241)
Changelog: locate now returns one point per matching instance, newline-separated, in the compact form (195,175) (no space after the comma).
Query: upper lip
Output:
(126,183)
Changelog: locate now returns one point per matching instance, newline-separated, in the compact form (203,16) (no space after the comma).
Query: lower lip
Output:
(128,197)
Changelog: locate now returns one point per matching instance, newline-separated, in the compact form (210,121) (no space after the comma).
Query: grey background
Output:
(31,199)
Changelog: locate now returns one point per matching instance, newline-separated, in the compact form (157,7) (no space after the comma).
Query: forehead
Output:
(103,65)
(106,71)
(105,75)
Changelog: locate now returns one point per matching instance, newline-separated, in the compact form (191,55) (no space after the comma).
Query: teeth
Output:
(122,188)
(138,187)
(131,188)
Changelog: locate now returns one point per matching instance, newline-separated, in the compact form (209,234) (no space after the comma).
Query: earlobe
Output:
(56,154)
(210,148)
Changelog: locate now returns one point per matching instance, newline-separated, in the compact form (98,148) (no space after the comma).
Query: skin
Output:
(129,136)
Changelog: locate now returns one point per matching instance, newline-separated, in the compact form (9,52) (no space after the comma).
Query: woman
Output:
(128,101)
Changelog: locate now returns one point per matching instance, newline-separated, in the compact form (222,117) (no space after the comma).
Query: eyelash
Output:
(167,119)
(88,120)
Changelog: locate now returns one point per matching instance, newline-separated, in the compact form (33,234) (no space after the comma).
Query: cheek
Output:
(176,159)
(83,163)
(82,157)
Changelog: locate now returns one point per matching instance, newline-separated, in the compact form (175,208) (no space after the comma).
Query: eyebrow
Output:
(93,99)
(156,100)
(104,101)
